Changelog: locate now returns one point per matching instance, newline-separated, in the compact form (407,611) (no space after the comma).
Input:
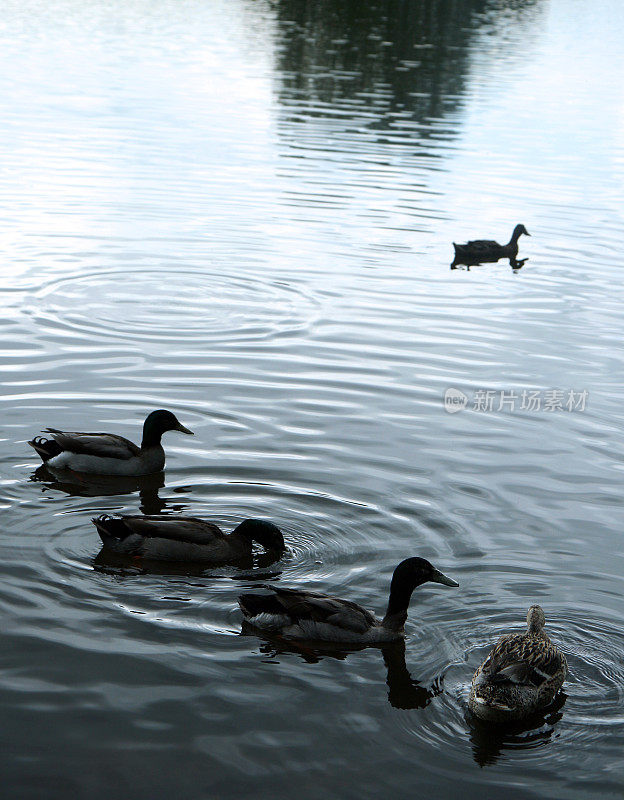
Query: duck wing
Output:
(485,244)
(179,529)
(101,445)
(304,605)
(522,659)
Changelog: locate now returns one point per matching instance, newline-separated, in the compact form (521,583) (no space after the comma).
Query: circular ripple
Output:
(587,716)
(318,547)
(188,305)
(594,649)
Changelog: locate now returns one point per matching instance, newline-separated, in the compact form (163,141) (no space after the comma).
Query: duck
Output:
(169,537)
(107,453)
(521,675)
(311,616)
(479,251)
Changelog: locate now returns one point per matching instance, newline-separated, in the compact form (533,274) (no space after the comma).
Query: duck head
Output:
(159,422)
(416,571)
(407,576)
(518,231)
(536,619)
(265,533)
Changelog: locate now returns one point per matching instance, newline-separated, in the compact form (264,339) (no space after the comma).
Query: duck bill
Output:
(180,427)
(440,577)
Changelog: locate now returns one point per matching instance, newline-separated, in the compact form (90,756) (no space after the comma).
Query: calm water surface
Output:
(243,211)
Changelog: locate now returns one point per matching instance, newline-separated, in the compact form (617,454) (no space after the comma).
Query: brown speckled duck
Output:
(521,675)
(480,251)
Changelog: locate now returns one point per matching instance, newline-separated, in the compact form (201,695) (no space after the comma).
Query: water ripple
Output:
(195,307)
(243,211)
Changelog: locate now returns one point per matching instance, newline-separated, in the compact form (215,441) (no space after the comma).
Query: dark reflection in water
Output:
(466,261)
(404,692)
(409,58)
(79,484)
(258,563)
(489,741)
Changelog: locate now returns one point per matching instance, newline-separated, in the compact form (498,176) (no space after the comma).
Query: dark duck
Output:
(312,616)
(487,251)
(108,453)
(169,537)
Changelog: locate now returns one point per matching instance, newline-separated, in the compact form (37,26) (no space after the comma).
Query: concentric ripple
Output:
(586,717)
(188,305)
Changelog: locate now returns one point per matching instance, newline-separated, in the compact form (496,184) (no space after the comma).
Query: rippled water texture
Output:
(243,212)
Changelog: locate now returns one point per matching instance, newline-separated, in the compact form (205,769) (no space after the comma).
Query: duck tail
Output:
(111,530)
(252,605)
(45,448)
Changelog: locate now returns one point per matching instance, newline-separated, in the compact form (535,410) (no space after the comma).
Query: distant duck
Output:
(107,453)
(311,616)
(482,251)
(167,537)
(522,674)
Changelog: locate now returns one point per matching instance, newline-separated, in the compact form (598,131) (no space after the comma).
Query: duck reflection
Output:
(468,261)
(255,567)
(82,485)
(490,740)
(404,692)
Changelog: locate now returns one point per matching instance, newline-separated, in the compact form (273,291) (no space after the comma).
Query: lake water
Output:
(243,212)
